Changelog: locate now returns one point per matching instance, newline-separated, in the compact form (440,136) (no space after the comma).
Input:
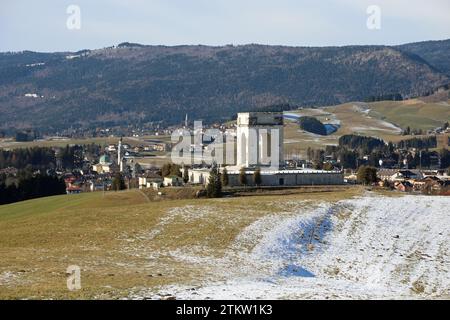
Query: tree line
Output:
(385,97)
(354,151)
(31,187)
(360,142)
(419,143)
(41,158)
(311,124)
(37,157)
(218,180)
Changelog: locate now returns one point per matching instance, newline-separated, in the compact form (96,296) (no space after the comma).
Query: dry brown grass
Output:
(120,240)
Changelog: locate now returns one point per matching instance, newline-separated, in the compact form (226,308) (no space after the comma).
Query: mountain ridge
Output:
(131,84)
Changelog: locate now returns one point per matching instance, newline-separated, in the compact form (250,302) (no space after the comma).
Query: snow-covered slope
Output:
(371,247)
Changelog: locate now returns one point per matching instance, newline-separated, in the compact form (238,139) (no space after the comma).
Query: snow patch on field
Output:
(180,214)
(380,125)
(10,278)
(372,247)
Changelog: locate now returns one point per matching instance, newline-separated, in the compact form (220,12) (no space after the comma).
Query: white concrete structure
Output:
(282,177)
(260,139)
(260,145)
(298,177)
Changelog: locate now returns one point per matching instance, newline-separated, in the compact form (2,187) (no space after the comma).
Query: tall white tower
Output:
(260,139)
(119,155)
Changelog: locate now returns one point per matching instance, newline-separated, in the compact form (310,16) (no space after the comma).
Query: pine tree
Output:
(118,182)
(225,178)
(367,175)
(242,177)
(214,187)
(185,175)
(3,199)
(171,169)
(257,177)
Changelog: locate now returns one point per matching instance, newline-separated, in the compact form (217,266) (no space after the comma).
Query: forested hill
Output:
(436,53)
(132,84)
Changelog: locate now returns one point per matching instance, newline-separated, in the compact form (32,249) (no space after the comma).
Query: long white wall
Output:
(279,178)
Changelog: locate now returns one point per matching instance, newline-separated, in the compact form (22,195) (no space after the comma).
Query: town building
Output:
(150,181)
(173,181)
(393,175)
(403,186)
(104,165)
(73,190)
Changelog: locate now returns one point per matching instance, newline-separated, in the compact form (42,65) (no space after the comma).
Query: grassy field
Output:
(156,161)
(123,241)
(413,113)
(158,158)
(352,120)
(63,142)
(379,119)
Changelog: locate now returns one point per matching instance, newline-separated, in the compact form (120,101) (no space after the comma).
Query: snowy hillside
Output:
(371,247)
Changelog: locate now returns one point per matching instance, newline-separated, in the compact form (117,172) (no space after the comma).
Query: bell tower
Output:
(119,155)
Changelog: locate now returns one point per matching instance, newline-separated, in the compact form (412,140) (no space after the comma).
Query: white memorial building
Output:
(260,145)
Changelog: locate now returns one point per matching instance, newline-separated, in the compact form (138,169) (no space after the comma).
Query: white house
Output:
(173,181)
(150,182)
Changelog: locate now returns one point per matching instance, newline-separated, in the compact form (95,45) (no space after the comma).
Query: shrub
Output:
(242,177)
(225,178)
(214,187)
(257,177)
(367,175)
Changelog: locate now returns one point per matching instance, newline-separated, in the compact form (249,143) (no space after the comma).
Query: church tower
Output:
(119,155)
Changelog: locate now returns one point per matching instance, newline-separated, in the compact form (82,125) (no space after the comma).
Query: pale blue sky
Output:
(41,25)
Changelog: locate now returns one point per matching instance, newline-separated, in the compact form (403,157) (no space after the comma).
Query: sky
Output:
(43,25)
